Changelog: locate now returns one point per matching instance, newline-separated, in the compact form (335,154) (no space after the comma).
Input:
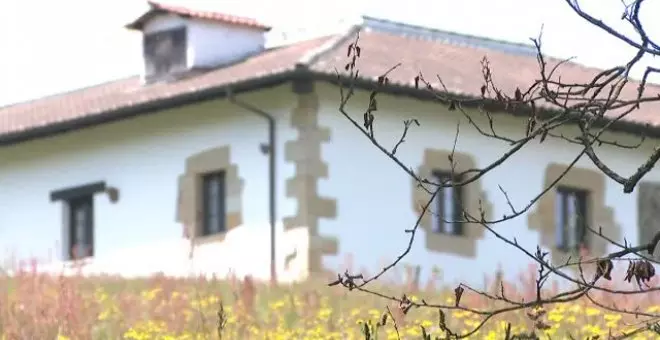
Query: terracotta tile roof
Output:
(156,8)
(459,67)
(116,95)
(457,63)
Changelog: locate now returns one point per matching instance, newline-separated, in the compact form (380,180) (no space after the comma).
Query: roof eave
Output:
(253,84)
(138,24)
(216,92)
(493,106)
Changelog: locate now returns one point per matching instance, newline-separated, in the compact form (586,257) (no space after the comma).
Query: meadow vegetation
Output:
(39,306)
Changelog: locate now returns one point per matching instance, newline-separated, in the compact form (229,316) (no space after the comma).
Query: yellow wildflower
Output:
(426,324)
(150,294)
(592,311)
(653,309)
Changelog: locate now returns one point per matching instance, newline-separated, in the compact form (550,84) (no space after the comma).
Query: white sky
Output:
(55,46)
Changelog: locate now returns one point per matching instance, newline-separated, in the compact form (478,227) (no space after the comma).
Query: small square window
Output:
(448,206)
(81,227)
(165,51)
(214,203)
(571,218)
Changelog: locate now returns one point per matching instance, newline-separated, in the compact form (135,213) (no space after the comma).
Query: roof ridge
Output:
(396,27)
(312,56)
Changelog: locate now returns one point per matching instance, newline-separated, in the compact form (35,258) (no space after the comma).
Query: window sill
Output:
(451,244)
(206,239)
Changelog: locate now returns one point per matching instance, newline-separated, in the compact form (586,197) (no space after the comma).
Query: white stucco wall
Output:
(213,44)
(374,196)
(172,257)
(143,157)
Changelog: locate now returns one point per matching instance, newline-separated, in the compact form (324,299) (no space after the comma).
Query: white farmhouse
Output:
(127,175)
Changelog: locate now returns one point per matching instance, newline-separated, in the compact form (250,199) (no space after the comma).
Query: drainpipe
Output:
(270,150)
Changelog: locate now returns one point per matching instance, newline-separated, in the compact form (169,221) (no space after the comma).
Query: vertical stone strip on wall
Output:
(648,212)
(305,153)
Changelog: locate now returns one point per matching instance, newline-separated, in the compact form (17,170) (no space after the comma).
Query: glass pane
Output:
(560,223)
(214,184)
(213,224)
(572,215)
(213,200)
(81,238)
(448,213)
(80,224)
(437,205)
(213,204)
(436,214)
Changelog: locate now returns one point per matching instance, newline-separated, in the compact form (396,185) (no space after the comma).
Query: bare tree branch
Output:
(550,105)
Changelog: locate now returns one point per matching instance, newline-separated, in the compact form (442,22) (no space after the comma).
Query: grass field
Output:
(35,306)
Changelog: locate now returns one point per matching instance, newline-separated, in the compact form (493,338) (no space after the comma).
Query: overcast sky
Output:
(54,46)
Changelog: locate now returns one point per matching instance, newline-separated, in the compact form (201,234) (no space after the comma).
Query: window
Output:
(210,195)
(213,197)
(470,198)
(81,227)
(448,206)
(78,218)
(165,52)
(570,218)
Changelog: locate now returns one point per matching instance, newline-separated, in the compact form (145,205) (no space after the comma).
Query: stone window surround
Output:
(473,197)
(543,218)
(190,208)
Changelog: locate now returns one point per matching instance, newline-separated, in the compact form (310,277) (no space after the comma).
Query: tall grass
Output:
(39,306)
